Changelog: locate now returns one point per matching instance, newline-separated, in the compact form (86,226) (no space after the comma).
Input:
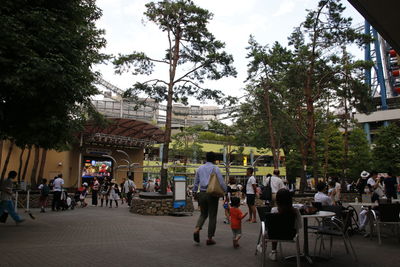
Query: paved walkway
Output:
(95,236)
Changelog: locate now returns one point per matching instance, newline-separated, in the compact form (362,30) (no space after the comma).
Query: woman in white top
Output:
(113,193)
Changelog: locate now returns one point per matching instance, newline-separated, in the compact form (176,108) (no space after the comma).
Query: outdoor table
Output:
(319,214)
(306,252)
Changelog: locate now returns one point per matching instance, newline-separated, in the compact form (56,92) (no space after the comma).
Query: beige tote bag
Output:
(214,188)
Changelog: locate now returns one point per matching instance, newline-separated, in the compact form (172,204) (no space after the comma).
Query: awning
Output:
(123,133)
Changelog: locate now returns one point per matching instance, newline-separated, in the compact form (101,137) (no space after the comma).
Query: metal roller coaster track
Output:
(183,111)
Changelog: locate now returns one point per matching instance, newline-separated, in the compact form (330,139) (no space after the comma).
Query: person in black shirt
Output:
(390,186)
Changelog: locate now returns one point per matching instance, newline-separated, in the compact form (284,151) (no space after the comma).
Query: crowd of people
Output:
(329,193)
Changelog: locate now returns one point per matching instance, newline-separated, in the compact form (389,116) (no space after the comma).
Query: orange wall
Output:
(67,163)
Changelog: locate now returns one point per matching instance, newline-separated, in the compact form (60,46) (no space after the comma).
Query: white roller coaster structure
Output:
(149,111)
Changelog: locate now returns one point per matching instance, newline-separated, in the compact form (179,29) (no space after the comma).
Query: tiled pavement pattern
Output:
(95,236)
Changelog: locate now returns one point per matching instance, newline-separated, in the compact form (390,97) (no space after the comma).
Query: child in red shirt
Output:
(236,220)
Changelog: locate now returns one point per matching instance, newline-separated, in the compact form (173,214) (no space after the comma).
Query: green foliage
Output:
(359,153)
(193,55)
(186,144)
(331,152)
(387,149)
(293,163)
(47,49)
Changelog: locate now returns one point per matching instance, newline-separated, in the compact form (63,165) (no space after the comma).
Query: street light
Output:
(228,164)
(127,160)
(252,165)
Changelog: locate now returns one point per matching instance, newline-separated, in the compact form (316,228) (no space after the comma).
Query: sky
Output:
(234,21)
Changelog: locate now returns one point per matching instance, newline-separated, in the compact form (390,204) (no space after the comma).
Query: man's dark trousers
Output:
(55,204)
(208,208)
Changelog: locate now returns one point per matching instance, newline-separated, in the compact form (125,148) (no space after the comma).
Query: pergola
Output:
(125,133)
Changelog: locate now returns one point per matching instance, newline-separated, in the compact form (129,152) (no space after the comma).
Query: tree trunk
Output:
(326,157)
(20,163)
(42,164)
(3,173)
(35,166)
(303,171)
(167,140)
(26,163)
(270,126)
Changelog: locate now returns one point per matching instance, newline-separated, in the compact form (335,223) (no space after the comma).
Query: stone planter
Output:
(157,206)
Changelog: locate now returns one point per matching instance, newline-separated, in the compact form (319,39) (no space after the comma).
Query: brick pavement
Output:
(95,236)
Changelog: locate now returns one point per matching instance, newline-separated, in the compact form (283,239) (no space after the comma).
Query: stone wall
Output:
(146,206)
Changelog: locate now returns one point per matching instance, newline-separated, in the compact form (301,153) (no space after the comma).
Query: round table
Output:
(319,214)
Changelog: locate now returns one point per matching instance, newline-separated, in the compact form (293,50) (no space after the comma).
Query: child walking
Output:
(236,220)
(44,194)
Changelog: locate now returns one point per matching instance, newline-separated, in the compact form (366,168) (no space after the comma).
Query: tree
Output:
(47,49)
(266,91)
(192,56)
(330,144)
(317,44)
(387,148)
(186,143)
(359,153)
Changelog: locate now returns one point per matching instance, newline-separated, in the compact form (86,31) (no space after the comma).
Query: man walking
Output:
(129,188)
(6,202)
(208,204)
(57,189)
(276,184)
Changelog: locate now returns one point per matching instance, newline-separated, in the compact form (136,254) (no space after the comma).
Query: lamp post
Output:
(128,160)
(228,164)
(259,157)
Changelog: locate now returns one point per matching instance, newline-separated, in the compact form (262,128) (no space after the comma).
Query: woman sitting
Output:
(284,202)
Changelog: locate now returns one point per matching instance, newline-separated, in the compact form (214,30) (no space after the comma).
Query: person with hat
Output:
(113,193)
(362,182)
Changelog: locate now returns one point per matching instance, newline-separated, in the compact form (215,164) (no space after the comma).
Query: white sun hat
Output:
(364,174)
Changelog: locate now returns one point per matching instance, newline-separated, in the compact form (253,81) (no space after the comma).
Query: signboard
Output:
(96,167)
(179,191)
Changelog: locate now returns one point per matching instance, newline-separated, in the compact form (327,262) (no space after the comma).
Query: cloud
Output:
(285,7)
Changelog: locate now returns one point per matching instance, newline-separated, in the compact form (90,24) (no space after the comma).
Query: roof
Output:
(383,16)
(124,132)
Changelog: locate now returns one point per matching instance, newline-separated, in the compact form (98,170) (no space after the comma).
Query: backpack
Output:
(45,190)
(266,192)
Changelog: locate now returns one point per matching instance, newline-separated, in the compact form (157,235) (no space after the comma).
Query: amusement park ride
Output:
(384,81)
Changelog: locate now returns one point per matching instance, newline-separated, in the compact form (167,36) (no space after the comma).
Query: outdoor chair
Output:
(278,228)
(336,226)
(389,214)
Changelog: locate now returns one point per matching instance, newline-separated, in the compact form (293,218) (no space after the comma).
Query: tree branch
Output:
(188,73)
(188,81)
(155,80)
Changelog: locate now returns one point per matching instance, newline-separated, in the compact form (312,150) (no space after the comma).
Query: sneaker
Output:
(272,255)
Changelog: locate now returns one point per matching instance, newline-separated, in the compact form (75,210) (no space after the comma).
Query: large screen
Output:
(99,167)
